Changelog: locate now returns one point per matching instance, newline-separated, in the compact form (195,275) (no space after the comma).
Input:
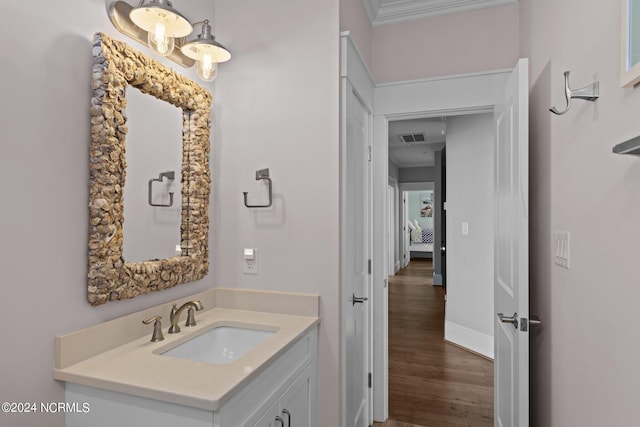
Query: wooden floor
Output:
(431,383)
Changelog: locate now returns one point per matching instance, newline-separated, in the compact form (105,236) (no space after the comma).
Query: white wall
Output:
(277,106)
(584,360)
(457,43)
(44,176)
(469,318)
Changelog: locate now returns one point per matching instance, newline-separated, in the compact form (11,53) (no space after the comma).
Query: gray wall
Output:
(283,81)
(418,174)
(584,360)
(394,171)
(44,177)
(470,257)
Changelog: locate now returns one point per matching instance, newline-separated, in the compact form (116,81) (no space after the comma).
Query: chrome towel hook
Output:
(169,175)
(261,174)
(588,93)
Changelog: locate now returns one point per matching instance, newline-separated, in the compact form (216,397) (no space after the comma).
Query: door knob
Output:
(359,300)
(513,319)
(443,249)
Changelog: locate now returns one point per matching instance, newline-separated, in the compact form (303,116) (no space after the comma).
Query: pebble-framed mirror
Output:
(117,66)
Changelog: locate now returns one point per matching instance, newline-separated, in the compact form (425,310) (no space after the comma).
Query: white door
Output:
(356,246)
(511,287)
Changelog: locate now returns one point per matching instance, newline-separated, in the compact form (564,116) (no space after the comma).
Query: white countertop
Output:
(136,367)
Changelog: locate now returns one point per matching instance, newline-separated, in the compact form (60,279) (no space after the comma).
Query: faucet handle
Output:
(157,328)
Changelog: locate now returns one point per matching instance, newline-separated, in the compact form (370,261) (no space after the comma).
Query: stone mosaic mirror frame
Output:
(116,66)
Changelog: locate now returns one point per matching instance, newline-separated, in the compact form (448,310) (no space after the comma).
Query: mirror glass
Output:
(152,232)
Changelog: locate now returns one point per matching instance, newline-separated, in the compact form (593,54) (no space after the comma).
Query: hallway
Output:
(431,383)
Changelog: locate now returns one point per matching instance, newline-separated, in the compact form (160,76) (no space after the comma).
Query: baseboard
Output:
(469,339)
(437,279)
(468,350)
(396,266)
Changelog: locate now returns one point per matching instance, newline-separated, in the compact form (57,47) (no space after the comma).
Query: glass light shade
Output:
(159,42)
(206,69)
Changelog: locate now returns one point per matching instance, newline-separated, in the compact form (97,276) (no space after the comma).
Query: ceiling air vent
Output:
(413,137)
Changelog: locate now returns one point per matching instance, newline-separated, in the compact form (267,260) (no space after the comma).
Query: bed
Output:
(420,239)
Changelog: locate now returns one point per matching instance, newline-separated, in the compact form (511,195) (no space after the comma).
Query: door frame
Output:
(390,244)
(407,187)
(435,97)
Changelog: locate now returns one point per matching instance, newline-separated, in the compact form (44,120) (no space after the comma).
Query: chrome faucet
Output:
(174,317)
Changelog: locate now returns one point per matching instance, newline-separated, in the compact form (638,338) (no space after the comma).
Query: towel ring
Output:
(260,175)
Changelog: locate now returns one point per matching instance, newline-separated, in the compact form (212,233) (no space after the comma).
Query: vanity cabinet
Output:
(285,385)
(294,408)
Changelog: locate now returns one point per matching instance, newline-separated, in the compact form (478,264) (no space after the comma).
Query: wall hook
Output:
(261,174)
(588,93)
(169,175)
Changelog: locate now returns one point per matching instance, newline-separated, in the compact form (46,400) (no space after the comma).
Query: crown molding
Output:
(380,14)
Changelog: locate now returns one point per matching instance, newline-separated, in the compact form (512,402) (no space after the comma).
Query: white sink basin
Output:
(220,345)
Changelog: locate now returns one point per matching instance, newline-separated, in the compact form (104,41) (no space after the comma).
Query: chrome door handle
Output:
(513,319)
(443,249)
(359,300)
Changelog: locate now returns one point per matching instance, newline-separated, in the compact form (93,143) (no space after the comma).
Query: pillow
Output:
(411,226)
(417,224)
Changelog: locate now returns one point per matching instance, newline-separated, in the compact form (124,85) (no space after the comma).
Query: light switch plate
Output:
(562,245)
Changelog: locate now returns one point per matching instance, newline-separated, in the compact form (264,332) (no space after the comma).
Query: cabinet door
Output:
(268,419)
(297,404)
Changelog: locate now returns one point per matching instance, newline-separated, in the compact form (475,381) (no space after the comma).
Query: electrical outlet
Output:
(250,260)
(562,249)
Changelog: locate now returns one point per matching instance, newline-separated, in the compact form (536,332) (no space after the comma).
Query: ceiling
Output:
(416,154)
(389,11)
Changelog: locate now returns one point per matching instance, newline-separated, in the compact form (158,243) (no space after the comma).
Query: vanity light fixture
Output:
(206,51)
(161,27)
(162,23)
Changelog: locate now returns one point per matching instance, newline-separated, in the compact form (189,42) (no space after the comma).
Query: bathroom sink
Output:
(220,345)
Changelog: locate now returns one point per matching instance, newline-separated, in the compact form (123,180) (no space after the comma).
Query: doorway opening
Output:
(418,223)
(417,298)
(505,93)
